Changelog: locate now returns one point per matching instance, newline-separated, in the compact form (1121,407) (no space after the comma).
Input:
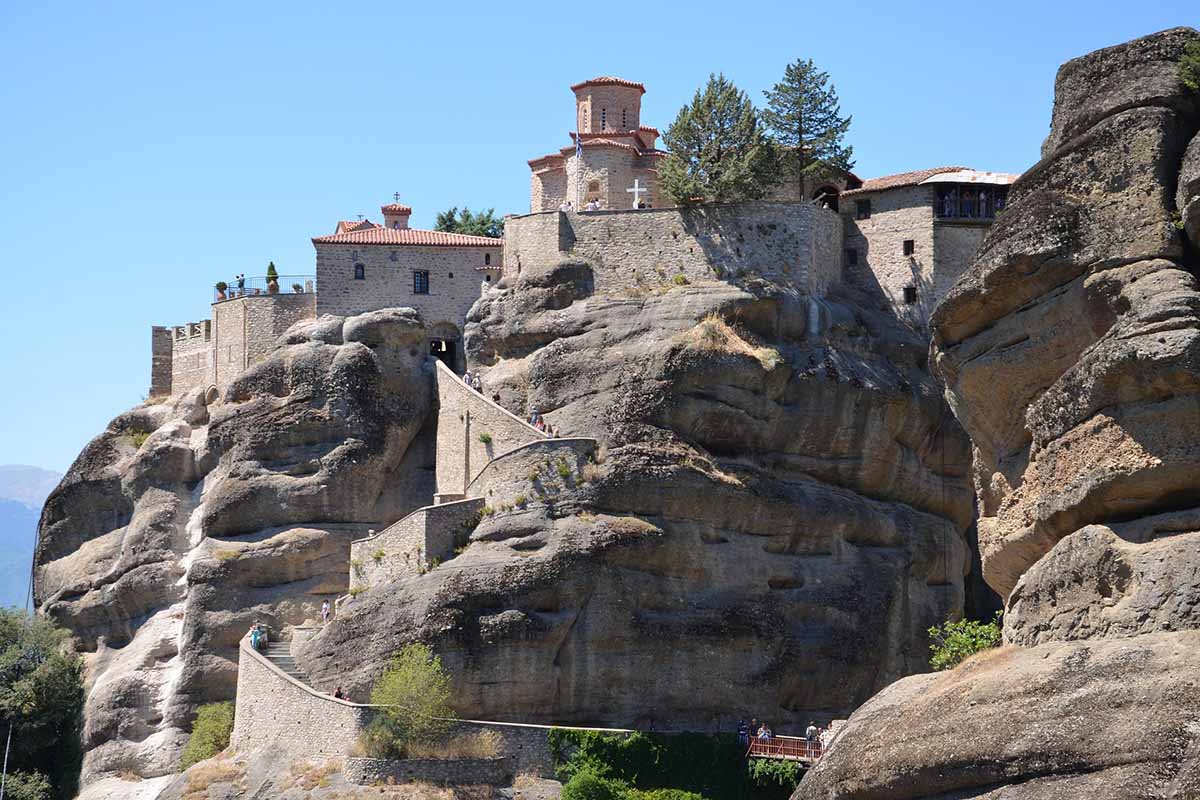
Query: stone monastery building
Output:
(905,237)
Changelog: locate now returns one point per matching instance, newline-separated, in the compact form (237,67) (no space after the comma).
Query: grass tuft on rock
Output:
(715,334)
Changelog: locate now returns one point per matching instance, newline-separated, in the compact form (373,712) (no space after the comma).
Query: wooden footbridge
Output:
(785,748)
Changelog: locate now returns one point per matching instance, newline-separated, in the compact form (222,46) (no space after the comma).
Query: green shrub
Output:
(356,564)
(955,641)
(680,279)
(210,733)
(589,784)
(485,437)
(355,591)
(415,690)
(138,436)
(1189,65)
(27,786)
(272,273)
(768,774)
(378,555)
(679,765)
(221,286)
(520,500)
(487,511)
(564,469)
(533,475)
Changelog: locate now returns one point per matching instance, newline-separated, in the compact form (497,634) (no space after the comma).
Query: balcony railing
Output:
(784,747)
(258,286)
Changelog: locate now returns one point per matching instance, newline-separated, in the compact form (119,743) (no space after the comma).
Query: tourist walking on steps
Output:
(476,384)
(467,378)
(338,694)
(325,612)
(534,416)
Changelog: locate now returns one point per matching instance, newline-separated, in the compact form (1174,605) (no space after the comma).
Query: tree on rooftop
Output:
(805,119)
(483,223)
(717,149)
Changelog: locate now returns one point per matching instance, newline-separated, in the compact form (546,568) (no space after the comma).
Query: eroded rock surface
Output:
(1071,354)
(186,521)
(778,517)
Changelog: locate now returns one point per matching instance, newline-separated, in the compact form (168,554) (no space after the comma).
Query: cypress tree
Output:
(805,120)
(717,149)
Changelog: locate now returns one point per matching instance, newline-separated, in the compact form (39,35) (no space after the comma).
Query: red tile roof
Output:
(395,208)
(608,80)
(547,157)
(407,237)
(353,225)
(900,179)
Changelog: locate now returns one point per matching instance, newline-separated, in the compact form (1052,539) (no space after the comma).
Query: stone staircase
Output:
(280,654)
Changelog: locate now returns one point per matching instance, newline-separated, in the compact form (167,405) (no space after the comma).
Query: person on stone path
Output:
(534,416)
(467,378)
(476,384)
(338,694)
(325,612)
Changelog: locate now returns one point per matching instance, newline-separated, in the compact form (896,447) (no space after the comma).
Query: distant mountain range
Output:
(22,491)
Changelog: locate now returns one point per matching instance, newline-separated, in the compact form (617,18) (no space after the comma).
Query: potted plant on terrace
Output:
(221,288)
(272,278)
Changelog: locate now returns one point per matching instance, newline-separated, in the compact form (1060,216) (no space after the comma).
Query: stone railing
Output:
(412,545)
(471,431)
(274,709)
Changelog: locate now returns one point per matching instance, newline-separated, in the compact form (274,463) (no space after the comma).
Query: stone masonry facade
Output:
(412,545)
(796,244)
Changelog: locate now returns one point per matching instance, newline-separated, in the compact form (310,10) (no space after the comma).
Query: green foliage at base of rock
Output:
(653,766)
(954,641)
(27,786)
(41,697)
(415,693)
(210,733)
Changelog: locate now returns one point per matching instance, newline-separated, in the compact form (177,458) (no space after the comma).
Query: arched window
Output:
(487,259)
(360,272)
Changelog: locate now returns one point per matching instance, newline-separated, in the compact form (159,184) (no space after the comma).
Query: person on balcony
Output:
(743,733)
(813,734)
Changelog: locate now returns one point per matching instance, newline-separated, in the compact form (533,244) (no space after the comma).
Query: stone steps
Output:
(279,654)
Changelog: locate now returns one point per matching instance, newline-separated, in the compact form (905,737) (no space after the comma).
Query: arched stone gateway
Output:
(445,344)
(827,194)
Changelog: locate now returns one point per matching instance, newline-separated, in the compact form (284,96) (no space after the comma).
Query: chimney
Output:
(395,215)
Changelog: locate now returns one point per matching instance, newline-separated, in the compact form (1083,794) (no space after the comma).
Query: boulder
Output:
(1109,719)
(1187,199)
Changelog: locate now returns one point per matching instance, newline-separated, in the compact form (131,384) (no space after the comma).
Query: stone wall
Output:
(246,329)
(440,772)
(792,243)
(456,275)
(533,471)
(411,545)
(161,349)
(465,418)
(548,188)
(191,356)
(943,249)
(272,709)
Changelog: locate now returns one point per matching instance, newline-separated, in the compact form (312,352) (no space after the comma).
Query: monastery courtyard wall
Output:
(792,243)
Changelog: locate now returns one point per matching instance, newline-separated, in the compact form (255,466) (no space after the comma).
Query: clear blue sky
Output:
(152,149)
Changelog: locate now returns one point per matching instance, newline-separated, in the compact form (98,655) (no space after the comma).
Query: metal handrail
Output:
(258,286)
(784,747)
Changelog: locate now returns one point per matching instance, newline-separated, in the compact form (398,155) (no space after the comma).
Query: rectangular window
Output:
(487,259)
(852,257)
(910,295)
(910,247)
(420,282)
(862,209)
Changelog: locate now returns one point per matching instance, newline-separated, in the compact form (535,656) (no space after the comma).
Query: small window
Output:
(360,272)
(451,275)
(487,278)
(852,257)
(421,282)
(603,118)
(910,247)
(624,124)
(487,259)
(910,295)
(862,209)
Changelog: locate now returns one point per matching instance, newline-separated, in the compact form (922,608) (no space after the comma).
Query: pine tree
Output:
(1189,65)
(717,149)
(805,120)
(482,223)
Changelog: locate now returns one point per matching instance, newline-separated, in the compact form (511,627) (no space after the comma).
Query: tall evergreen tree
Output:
(717,149)
(481,223)
(805,119)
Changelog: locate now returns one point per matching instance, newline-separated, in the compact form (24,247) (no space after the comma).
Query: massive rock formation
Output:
(778,517)
(187,520)
(1071,354)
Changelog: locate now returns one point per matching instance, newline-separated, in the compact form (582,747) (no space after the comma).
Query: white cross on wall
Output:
(638,190)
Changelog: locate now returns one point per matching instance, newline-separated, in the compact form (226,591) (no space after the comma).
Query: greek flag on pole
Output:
(578,146)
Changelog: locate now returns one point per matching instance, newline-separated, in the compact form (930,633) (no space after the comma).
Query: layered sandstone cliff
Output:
(1071,355)
(776,519)
(186,521)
